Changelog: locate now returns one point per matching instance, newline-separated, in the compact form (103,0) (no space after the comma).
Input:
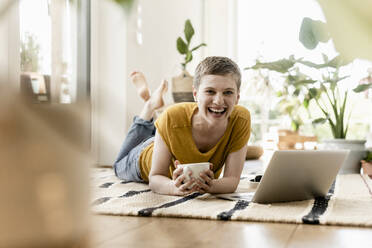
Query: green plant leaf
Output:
(307,37)
(295,125)
(319,121)
(368,158)
(342,114)
(202,44)
(297,92)
(341,78)
(313,65)
(181,46)
(282,65)
(312,32)
(125,4)
(337,62)
(189,31)
(323,88)
(362,87)
(313,92)
(304,82)
(306,103)
(188,57)
(289,109)
(291,78)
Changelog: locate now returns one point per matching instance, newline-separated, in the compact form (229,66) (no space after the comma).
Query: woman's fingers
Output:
(176,173)
(185,186)
(203,186)
(206,179)
(176,163)
(180,180)
(207,176)
(188,186)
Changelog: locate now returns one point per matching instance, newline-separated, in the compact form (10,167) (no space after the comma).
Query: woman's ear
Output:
(194,93)
(237,97)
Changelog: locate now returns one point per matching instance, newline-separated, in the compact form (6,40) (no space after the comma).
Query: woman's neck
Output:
(200,123)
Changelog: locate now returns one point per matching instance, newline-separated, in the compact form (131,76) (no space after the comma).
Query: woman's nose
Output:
(218,99)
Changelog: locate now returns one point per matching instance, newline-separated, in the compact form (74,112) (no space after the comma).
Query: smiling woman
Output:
(214,129)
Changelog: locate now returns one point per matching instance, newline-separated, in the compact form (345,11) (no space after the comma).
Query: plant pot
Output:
(291,140)
(357,152)
(182,87)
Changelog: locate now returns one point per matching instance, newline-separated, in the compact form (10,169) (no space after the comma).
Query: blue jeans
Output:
(139,136)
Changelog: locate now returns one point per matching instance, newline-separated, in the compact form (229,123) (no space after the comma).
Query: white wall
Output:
(162,23)
(115,53)
(220,28)
(108,79)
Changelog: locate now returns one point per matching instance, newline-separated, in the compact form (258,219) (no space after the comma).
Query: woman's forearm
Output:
(165,186)
(224,185)
(161,185)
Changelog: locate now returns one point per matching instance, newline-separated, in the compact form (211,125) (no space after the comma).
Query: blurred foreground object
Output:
(349,23)
(43,174)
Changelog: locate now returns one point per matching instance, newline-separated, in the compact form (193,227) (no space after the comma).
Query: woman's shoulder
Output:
(179,114)
(181,108)
(241,112)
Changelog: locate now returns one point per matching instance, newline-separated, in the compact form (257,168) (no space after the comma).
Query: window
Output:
(48,43)
(268,30)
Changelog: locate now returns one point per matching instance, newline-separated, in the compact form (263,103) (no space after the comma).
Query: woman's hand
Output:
(207,176)
(178,180)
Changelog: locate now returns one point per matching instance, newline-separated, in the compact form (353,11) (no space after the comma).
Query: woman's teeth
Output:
(217,111)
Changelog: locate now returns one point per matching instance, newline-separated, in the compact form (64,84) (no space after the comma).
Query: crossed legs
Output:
(141,129)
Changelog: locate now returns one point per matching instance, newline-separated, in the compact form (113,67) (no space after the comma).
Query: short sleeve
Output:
(162,125)
(241,130)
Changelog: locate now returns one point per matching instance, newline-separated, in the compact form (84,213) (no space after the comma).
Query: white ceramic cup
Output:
(195,168)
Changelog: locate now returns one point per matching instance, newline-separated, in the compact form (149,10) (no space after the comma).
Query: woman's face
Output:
(216,97)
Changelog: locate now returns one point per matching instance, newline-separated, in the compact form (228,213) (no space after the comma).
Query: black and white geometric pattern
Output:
(349,202)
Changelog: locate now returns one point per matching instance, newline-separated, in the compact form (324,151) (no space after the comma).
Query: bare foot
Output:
(156,100)
(139,80)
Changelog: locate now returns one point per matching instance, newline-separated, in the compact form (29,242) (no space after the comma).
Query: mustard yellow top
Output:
(174,126)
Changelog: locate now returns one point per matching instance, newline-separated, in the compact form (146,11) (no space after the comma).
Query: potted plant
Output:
(182,84)
(322,90)
(367,164)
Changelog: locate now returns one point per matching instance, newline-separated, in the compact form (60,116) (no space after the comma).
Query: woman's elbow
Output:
(234,184)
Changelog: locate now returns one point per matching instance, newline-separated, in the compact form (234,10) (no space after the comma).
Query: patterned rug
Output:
(349,203)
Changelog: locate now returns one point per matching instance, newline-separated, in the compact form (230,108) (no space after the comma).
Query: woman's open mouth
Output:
(217,111)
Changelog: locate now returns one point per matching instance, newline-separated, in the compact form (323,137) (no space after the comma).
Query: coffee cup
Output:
(195,168)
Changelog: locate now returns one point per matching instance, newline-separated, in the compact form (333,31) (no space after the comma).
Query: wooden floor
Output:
(125,231)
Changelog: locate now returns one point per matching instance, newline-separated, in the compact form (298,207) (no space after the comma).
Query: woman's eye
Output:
(228,92)
(210,91)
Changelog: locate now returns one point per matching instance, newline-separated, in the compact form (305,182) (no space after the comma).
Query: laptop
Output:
(295,176)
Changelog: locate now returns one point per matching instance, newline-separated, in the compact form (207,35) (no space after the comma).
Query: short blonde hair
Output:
(215,65)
